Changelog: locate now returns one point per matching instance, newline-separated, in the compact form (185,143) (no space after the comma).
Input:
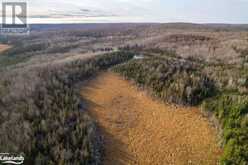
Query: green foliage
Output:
(232,112)
(171,79)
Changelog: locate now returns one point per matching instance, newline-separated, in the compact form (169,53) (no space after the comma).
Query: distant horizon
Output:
(193,23)
(139,11)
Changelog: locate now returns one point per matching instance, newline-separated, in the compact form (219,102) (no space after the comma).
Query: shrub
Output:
(232,112)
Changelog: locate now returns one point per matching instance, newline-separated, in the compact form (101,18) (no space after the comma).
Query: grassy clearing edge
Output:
(229,112)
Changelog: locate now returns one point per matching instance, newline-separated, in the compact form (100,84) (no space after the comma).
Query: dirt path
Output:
(139,130)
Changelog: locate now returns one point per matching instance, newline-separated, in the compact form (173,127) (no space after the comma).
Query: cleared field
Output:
(139,130)
(4,47)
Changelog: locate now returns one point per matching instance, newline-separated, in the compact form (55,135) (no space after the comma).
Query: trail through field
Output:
(139,130)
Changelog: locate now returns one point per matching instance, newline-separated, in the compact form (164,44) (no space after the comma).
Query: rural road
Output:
(139,130)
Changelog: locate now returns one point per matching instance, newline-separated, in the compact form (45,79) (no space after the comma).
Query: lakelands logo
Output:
(7,158)
(14,18)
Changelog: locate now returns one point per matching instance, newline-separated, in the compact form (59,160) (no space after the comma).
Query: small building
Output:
(138,57)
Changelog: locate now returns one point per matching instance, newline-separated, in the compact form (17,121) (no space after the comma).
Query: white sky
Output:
(76,11)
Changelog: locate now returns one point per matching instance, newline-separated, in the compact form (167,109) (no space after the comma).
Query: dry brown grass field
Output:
(4,47)
(139,130)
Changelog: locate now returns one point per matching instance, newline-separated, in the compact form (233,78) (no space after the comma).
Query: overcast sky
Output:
(197,11)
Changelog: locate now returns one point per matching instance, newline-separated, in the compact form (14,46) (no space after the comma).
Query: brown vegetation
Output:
(138,130)
(4,47)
